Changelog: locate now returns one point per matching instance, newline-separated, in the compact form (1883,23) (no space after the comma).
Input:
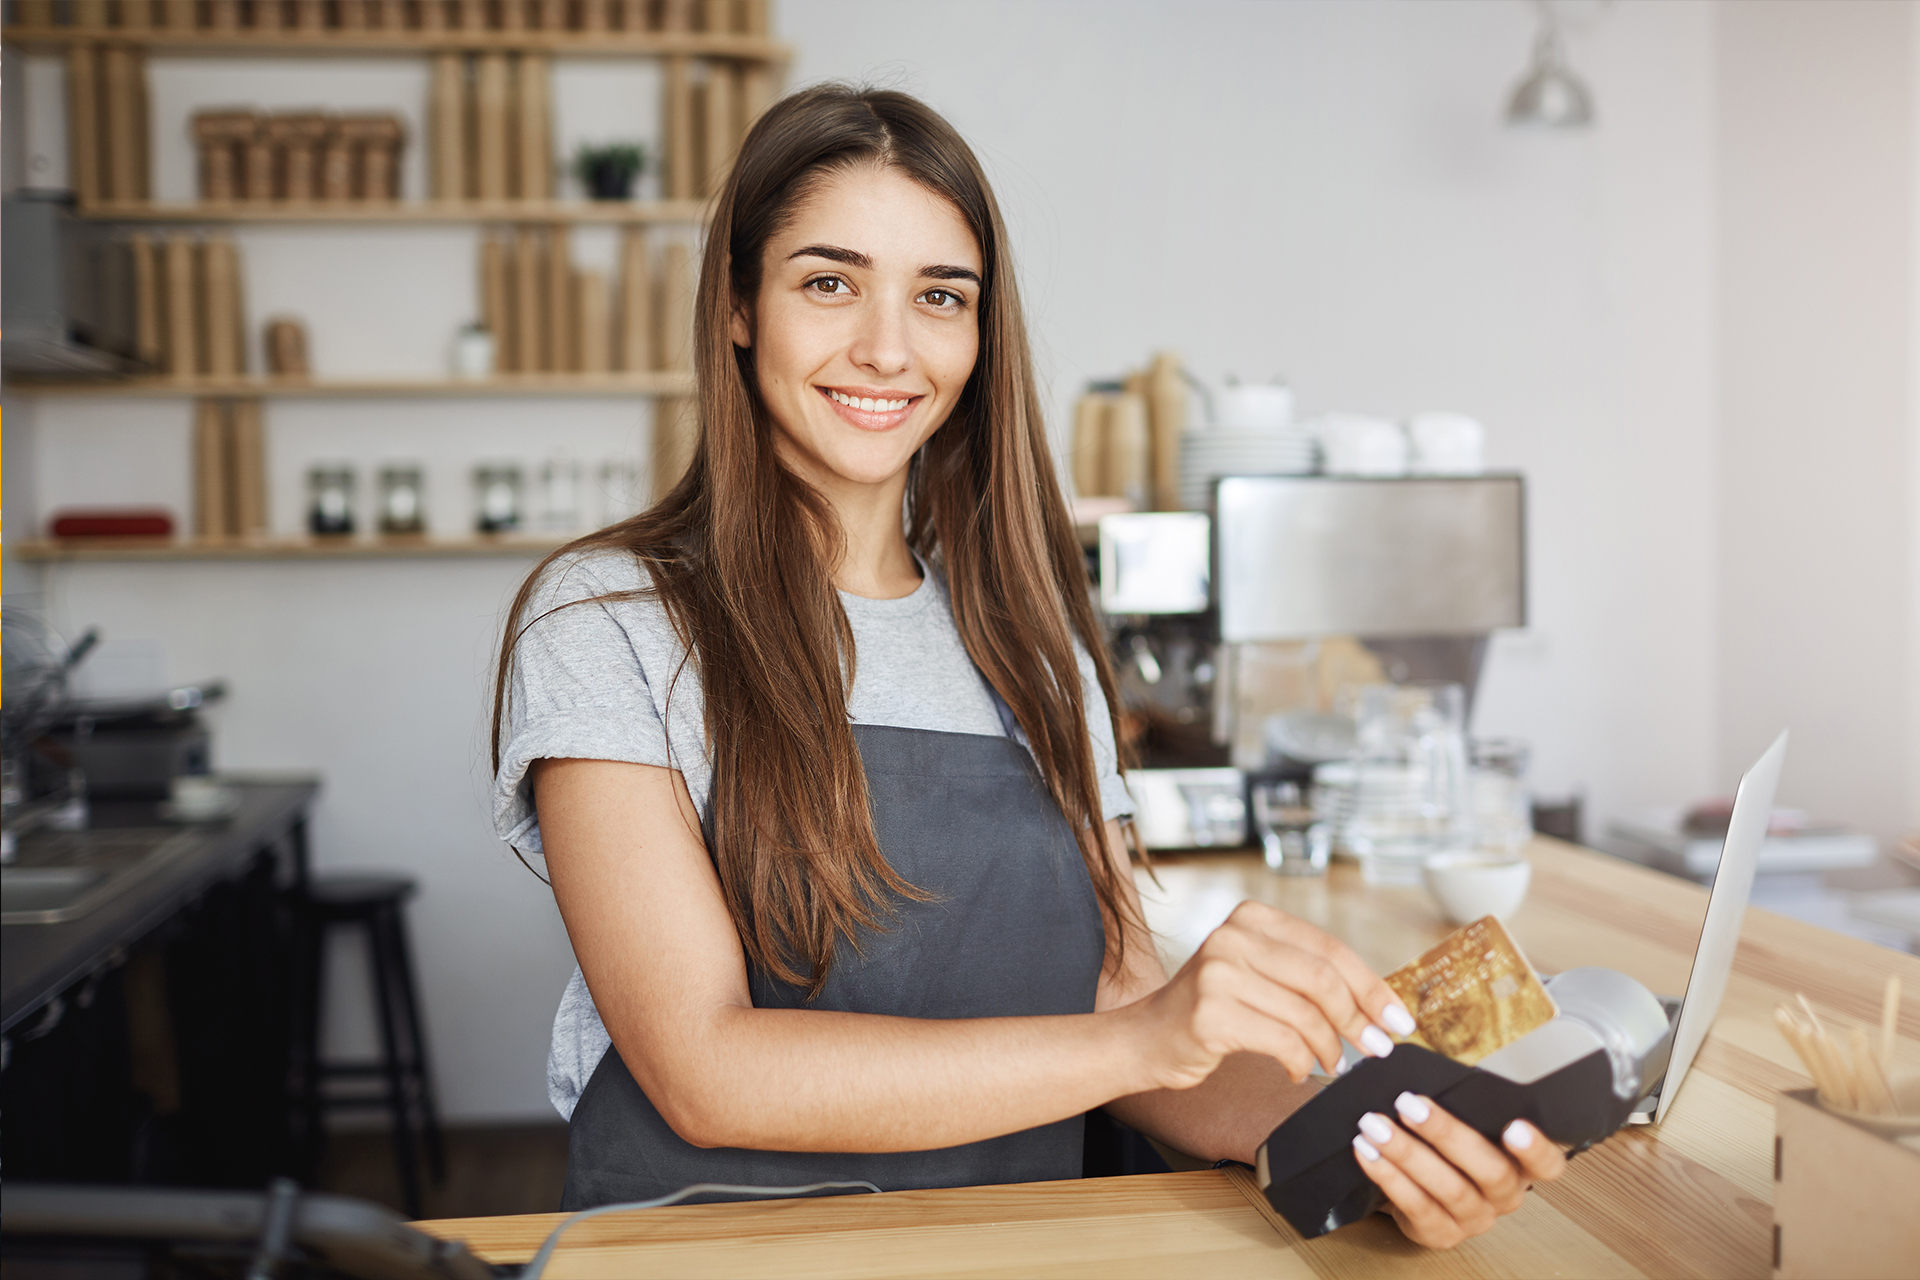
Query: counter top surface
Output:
(38,961)
(1690,1197)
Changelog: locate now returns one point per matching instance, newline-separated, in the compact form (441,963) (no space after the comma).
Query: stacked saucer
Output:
(1208,453)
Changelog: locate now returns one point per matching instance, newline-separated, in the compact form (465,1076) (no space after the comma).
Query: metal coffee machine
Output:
(1300,587)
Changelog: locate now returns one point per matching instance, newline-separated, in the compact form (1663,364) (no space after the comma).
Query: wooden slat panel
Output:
(669,383)
(691,212)
(229,38)
(108,550)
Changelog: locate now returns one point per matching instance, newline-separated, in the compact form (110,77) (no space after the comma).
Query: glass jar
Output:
(402,499)
(330,500)
(619,491)
(1411,797)
(560,495)
(496,497)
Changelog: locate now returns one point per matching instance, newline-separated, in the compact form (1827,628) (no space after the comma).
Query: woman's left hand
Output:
(1445,1183)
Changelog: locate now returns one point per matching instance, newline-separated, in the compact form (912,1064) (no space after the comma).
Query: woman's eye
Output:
(944,298)
(831,286)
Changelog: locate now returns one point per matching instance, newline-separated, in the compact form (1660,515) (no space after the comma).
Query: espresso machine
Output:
(1237,633)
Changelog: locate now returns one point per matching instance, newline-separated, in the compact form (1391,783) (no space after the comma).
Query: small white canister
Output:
(473,353)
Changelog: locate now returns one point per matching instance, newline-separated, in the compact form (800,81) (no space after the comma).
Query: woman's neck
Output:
(875,562)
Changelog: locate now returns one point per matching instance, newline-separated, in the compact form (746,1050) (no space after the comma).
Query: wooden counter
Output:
(1690,1198)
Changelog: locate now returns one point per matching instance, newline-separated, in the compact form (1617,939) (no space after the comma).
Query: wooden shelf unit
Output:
(507,386)
(109,550)
(742,53)
(581,44)
(402,212)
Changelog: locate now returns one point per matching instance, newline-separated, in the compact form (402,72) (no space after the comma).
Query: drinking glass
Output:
(1294,839)
(1502,808)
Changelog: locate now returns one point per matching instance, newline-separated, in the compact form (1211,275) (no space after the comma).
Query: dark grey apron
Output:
(1013,929)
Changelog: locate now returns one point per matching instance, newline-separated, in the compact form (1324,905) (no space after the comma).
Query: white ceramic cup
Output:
(1255,406)
(1472,884)
(1356,445)
(1447,444)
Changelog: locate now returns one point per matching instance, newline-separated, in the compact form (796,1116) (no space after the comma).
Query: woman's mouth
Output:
(870,413)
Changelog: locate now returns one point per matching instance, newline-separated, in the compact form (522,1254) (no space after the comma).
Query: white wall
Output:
(1816,238)
(1912,817)
(1325,191)
(1319,190)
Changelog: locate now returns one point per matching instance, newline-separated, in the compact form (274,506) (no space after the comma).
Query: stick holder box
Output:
(1311,1174)
(1843,1195)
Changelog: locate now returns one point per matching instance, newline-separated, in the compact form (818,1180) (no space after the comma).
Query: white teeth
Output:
(867,404)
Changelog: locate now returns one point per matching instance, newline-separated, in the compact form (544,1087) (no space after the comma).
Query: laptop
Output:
(1693,1013)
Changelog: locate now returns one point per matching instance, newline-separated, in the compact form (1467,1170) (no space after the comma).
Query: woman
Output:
(820,754)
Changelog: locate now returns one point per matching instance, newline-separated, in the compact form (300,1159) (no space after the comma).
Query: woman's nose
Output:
(883,343)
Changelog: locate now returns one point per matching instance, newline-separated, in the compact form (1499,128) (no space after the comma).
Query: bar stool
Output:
(372,902)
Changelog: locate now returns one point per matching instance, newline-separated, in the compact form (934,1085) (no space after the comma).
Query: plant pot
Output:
(610,180)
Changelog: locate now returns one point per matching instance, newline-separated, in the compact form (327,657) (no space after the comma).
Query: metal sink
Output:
(61,876)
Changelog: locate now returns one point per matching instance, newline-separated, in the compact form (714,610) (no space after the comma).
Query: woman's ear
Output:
(740,324)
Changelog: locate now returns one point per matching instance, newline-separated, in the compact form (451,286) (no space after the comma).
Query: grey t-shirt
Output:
(609,681)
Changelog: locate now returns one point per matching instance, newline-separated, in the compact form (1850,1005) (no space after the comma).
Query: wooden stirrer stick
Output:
(1810,1056)
(1875,1096)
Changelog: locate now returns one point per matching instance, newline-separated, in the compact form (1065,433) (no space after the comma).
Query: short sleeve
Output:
(576,689)
(1115,800)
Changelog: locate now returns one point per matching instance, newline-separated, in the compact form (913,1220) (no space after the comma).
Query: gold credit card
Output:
(1472,994)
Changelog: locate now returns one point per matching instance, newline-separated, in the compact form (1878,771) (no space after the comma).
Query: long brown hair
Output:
(741,552)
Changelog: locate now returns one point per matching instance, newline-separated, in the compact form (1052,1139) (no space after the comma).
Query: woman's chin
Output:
(859,472)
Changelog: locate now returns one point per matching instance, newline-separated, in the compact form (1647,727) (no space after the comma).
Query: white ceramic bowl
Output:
(1470,885)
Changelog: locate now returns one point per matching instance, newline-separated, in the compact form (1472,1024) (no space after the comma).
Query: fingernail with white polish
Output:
(1376,1042)
(1375,1126)
(1412,1108)
(1519,1135)
(1365,1150)
(1398,1020)
(1341,1067)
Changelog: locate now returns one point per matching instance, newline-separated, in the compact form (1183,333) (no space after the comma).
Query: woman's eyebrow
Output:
(833,253)
(855,258)
(950,273)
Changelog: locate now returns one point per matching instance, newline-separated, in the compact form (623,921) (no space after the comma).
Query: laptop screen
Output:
(1726,905)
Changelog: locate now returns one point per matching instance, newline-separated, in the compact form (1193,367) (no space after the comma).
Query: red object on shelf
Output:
(113,522)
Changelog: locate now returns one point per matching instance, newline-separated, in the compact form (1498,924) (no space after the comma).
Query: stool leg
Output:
(408,993)
(312,943)
(384,964)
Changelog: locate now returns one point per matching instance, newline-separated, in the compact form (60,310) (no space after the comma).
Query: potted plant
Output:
(608,172)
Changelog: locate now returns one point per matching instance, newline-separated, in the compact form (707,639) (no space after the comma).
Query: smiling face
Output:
(865,329)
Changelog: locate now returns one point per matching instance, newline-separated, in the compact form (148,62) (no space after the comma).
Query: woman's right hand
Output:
(1265,982)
